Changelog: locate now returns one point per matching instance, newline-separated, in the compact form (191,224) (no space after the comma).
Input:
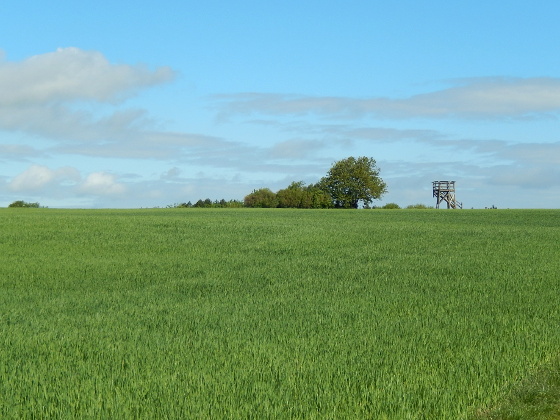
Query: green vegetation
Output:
(391,206)
(21,203)
(261,198)
(536,397)
(300,196)
(348,183)
(208,204)
(419,206)
(274,313)
(351,181)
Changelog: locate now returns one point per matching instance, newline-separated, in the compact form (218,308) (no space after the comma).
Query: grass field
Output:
(246,313)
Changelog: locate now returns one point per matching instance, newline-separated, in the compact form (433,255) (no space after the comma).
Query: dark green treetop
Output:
(352,180)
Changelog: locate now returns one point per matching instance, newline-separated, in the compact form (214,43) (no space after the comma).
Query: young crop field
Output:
(272,313)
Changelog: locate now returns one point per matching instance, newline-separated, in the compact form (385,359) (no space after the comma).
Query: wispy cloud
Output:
(526,176)
(42,95)
(484,98)
(15,152)
(145,144)
(71,74)
(535,153)
(295,149)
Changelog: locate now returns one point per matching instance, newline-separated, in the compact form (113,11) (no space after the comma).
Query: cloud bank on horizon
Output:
(78,129)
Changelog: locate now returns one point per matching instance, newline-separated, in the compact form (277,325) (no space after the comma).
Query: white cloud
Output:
(73,74)
(44,96)
(102,183)
(37,177)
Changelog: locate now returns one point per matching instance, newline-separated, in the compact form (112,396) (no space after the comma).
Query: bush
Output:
(297,195)
(391,206)
(263,197)
(418,206)
(21,203)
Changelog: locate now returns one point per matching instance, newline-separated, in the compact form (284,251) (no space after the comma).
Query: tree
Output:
(291,197)
(263,197)
(206,203)
(352,180)
(316,198)
(299,196)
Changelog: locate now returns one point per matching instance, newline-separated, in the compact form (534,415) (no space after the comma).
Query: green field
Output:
(246,313)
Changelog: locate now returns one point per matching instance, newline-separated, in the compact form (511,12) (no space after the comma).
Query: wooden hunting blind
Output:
(445,191)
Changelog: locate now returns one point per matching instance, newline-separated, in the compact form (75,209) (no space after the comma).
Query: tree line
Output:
(349,183)
(208,204)
(24,204)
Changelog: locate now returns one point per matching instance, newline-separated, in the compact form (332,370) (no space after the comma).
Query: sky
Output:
(122,104)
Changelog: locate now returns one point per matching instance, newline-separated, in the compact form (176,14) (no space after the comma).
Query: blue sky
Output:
(126,104)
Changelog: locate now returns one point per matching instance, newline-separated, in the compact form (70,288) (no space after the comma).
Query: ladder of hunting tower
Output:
(445,191)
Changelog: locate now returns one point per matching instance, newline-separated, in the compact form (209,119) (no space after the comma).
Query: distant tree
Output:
(391,206)
(21,203)
(351,181)
(179,205)
(262,197)
(206,203)
(235,204)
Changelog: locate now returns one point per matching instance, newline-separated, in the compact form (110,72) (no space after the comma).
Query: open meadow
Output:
(273,313)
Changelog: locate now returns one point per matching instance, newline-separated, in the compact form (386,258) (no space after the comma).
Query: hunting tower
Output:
(445,191)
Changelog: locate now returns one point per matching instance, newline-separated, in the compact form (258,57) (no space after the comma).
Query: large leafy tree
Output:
(352,180)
